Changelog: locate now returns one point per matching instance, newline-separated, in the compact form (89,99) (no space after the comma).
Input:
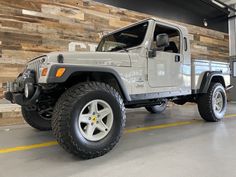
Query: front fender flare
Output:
(70,69)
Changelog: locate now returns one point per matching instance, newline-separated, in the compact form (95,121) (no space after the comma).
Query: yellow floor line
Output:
(141,129)
(53,143)
(28,147)
(230,116)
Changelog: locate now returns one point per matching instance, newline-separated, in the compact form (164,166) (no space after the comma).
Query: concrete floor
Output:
(197,149)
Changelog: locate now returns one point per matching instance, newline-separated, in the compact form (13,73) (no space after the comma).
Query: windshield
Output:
(125,39)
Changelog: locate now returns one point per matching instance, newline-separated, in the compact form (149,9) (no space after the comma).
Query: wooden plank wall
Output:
(29,28)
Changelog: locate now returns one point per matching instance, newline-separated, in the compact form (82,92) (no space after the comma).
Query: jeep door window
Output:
(174,39)
(130,37)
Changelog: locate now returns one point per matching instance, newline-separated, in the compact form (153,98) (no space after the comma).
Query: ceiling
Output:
(191,12)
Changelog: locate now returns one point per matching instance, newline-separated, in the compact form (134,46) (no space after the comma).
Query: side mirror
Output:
(162,40)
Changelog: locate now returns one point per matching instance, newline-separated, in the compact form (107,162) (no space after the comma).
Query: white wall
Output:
(232,34)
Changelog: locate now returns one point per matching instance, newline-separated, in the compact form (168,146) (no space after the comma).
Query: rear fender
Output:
(208,78)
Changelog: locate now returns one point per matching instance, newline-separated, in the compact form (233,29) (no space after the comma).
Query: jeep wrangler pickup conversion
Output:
(82,96)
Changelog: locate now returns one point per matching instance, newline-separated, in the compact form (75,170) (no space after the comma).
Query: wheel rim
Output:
(162,104)
(95,120)
(218,102)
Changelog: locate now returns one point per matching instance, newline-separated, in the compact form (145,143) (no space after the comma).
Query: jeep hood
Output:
(92,58)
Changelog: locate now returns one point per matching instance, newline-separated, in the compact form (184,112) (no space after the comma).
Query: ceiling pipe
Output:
(223,5)
(209,2)
(218,3)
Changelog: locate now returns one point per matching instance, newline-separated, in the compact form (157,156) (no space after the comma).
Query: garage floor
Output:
(176,143)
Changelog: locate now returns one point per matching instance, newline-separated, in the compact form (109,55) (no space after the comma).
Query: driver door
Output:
(165,67)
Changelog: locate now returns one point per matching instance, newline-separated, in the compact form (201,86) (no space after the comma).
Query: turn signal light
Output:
(60,72)
(44,72)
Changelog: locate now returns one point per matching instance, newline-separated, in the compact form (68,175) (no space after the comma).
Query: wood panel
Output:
(29,28)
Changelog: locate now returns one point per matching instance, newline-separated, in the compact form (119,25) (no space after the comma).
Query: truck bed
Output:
(199,66)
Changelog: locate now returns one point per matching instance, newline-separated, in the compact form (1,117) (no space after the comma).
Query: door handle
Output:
(177,58)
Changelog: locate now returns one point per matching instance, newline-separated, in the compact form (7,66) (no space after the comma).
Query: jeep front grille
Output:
(35,65)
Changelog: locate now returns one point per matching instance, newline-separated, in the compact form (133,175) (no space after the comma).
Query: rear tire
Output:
(35,120)
(157,109)
(212,105)
(76,121)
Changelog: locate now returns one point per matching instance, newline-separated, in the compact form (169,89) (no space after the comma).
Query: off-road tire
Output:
(157,109)
(205,104)
(35,120)
(70,104)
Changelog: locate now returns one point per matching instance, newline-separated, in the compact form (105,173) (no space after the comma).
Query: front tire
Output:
(88,119)
(212,105)
(36,120)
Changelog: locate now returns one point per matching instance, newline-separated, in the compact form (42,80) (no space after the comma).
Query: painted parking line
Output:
(230,116)
(28,147)
(134,130)
(53,143)
(149,128)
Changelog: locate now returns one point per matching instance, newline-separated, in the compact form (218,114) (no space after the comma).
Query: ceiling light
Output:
(205,23)
(218,3)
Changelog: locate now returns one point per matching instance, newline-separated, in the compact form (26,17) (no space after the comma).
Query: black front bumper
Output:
(15,91)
